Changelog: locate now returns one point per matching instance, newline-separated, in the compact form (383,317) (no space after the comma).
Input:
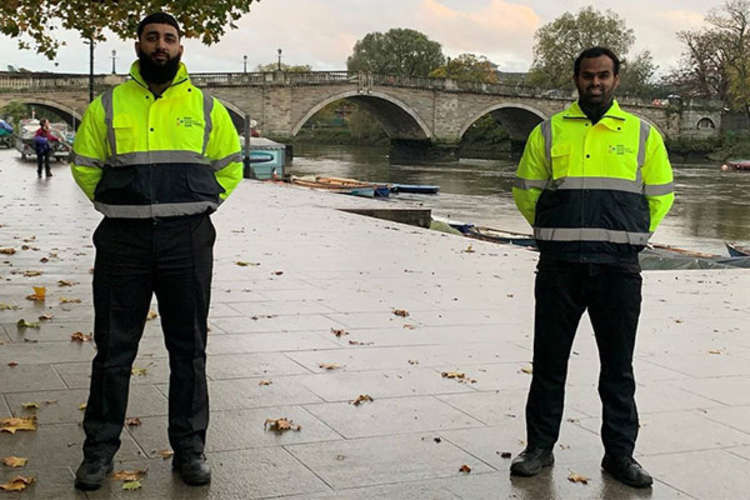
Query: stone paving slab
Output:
(470,306)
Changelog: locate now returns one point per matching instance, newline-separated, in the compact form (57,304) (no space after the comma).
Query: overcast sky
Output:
(321,33)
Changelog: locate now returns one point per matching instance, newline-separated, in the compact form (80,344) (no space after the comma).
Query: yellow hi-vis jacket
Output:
(140,156)
(594,193)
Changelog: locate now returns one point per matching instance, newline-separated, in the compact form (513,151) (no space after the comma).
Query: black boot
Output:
(531,461)
(192,468)
(626,470)
(92,473)
(48,173)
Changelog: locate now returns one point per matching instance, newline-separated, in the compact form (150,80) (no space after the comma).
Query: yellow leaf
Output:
(39,294)
(165,454)
(362,399)
(14,461)
(469,249)
(528,369)
(242,263)
(14,424)
(329,366)
(65,300)
(80,337)
(30,406)
(138,372)
(577,478)
(131,485)
(401,312)
(8,307)
(31,273)
(281,425)
(8,251)
(128,475)
(66,282)
(151,315)
(714,351)
(265,382)
(22,323)
(82,406)
(457,375)
(465,469)
(18,483)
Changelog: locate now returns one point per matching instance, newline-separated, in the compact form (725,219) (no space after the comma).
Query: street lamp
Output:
(244,58)
(114,56)
(279,51)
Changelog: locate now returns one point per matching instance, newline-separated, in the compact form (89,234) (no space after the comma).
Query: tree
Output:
(34,22)
(558,43)
(398,52)
(302,68)
(467,67)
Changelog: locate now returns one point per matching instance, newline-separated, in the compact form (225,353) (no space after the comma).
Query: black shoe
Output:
(92,473)
(48,173)
(626,470)
(531,461)
(192,468)
(39,174)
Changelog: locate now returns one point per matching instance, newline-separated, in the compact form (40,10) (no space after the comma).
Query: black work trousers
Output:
(136,258)
(42,160)
(612,296)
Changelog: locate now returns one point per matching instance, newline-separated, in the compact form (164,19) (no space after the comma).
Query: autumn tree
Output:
(35,23)
(300,68)
(558,43)
(398,52)
(467,67)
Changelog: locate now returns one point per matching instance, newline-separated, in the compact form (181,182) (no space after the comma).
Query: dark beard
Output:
(158,73)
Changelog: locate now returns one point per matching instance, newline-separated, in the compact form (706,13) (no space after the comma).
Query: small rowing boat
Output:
(736,165)
(736,250)
(414,188)
(344,186)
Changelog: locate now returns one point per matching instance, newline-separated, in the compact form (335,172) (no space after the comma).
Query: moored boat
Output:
(736,250)
(24,142)
(736,165)
(343,186)
(414,188)
(266,160)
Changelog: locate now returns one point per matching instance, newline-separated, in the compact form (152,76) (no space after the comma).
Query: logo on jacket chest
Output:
(620,149)
(186,121)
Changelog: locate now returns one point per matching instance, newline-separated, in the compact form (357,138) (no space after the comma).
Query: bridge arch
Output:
(236,114)
(398,119)
(519,119)
(72,116)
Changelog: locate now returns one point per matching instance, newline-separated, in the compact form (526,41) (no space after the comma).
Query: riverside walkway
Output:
(292,272)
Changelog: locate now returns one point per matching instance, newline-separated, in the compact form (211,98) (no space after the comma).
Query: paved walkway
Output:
(313,270)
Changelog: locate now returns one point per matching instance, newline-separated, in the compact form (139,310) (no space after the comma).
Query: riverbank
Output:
(313,307)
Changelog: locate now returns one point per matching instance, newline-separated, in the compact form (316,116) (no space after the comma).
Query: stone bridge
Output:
(425,118)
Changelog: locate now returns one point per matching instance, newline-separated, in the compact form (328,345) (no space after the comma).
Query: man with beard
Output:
(156,156)
(594,182)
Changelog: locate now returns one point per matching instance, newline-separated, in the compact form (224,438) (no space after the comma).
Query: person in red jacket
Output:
(42,140)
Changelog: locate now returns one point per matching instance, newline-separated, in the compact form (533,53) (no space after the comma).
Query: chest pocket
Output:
(124,128)
(622,164)
(560,157)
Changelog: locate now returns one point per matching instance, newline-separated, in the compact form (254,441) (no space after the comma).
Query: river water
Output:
(710,207)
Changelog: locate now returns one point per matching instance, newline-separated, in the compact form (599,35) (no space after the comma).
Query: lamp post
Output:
(279,51)
(114,56)
(244,58)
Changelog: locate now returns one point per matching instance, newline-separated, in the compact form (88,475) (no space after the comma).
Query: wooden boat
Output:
(342,185)
(736,250)
(414,188)
(497,235)
(379,190)
(736,165)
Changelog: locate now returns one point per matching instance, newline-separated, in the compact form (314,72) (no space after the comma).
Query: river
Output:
(710,207)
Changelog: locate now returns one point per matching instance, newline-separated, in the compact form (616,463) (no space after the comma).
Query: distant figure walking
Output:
(43,148)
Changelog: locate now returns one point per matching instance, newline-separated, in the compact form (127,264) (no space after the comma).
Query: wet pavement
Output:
(312,270)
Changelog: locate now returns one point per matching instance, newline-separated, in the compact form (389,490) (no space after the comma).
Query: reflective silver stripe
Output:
(219,164)
(589,234)
(109,115)
(642,138)
(610,183)
(159,210)
(208,106)
(154,157)
(547,134)
(528,183)
(658,189)
(85,161)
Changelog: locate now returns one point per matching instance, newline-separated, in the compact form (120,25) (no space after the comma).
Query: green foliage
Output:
(398,52)
(34,22)
(15,111)
(467,67)
(485,131)
(558,43)
(302,68)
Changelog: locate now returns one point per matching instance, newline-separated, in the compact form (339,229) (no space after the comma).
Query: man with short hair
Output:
(594,182)
(156,155)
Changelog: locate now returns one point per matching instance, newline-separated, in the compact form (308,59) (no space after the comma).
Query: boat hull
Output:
(736,250)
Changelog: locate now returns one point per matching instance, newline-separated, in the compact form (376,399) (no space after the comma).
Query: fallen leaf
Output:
(82,406)
(278,273)
(242,263)
(18,483)
(66,283)
(329,366)
(14,461)
(506,454)
(8,307)
(438,440)
(138,372)
(39,294)
(413,362)
(362,398)
(465,469)
(44,260)
(469,249)
(714,351)
(131,485)
(66,300)
(7,251)
(22,323)
(357,342)
(30,405)
(577,478)
(14,424)
(265,382)
(165,454)
(528,369)
(410,326)
(12,364)
(46,316)
(281,425)
(339,332)
(151,315)
(80,337)
(132,421)
(128,475)
(31,273)
(401,312)
(455,375)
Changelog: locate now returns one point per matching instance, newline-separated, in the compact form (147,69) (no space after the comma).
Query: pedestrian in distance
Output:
(156,155)
(594,182)
(43,147)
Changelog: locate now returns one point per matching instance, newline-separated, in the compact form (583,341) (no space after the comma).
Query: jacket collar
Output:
(180,77)
(612,119)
